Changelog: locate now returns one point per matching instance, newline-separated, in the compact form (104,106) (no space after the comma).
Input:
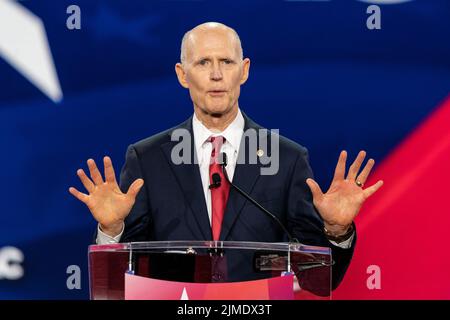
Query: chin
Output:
(217,111)
(216,114)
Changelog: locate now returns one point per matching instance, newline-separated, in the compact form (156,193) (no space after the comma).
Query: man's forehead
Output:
(222,40)
(214,36)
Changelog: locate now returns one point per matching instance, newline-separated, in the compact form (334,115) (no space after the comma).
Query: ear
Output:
(181,75)
(245,70)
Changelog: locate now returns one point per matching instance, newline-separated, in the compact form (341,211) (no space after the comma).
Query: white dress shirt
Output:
(233,135)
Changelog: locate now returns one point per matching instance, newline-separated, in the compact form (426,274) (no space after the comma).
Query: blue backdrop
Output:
(318,74)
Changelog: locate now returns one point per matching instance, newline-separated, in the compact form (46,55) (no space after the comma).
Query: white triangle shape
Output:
(184,295)
(24,45)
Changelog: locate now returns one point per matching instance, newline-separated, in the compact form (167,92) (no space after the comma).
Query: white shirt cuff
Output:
(345,244)
(103,238)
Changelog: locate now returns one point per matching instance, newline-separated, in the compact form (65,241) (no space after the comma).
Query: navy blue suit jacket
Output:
(171,205)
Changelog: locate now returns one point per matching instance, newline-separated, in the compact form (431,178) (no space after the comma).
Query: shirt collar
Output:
(232,133)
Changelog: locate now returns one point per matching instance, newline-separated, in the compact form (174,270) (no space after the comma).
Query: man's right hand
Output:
(107,203)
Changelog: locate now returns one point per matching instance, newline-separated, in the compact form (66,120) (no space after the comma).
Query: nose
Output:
(216,73)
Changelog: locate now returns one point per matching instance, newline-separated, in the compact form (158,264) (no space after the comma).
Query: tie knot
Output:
(216,139)
(217,143)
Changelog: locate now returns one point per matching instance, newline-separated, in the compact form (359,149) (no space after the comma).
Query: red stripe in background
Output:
(405,227)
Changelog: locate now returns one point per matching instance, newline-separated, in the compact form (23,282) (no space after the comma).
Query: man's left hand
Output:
(343,200)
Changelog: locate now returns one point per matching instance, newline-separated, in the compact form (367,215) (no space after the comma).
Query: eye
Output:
(203,62)
(227,61)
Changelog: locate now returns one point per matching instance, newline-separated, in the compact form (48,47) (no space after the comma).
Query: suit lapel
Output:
(245,177)
(189,179)
(188,176)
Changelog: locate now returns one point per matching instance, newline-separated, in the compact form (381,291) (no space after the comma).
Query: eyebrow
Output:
(209,58)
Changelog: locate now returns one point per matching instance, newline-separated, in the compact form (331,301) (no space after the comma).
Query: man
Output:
(176,201)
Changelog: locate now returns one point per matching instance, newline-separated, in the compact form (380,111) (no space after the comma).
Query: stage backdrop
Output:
(330,75)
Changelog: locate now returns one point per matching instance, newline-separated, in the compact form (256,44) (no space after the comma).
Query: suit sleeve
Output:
(138,223)
(305,222)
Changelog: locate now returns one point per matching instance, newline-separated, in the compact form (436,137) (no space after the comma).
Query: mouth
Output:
(216,93)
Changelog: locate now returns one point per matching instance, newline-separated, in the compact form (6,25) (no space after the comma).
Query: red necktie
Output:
(219,195)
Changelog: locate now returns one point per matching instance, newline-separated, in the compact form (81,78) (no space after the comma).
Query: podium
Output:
(209,270)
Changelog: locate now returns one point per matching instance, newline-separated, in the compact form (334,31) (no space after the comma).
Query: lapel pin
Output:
(260,153)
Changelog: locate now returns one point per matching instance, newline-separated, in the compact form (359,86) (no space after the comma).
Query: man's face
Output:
(213,71)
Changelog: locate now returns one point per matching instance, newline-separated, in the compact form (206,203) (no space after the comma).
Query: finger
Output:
(135,187)
(315,189)
(95,173)
(356,165)
(110,175)
(87,183)
(371,190)
(79,195)
(339,172)
(366,171)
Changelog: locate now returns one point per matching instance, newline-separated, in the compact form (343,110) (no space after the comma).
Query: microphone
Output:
(216,181)
(223,157)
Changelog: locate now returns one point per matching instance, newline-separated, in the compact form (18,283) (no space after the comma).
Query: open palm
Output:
(107,203)
(345,197)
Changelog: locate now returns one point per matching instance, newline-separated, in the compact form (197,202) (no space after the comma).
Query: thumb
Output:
(135,187)
(315,189)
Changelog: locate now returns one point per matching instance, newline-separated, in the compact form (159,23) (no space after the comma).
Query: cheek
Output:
(193,84)
(195,90)
(236,80)
(235,85)
(197,81)
(235,95)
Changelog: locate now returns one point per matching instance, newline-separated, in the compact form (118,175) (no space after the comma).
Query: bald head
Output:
(213,69)
(210,28)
